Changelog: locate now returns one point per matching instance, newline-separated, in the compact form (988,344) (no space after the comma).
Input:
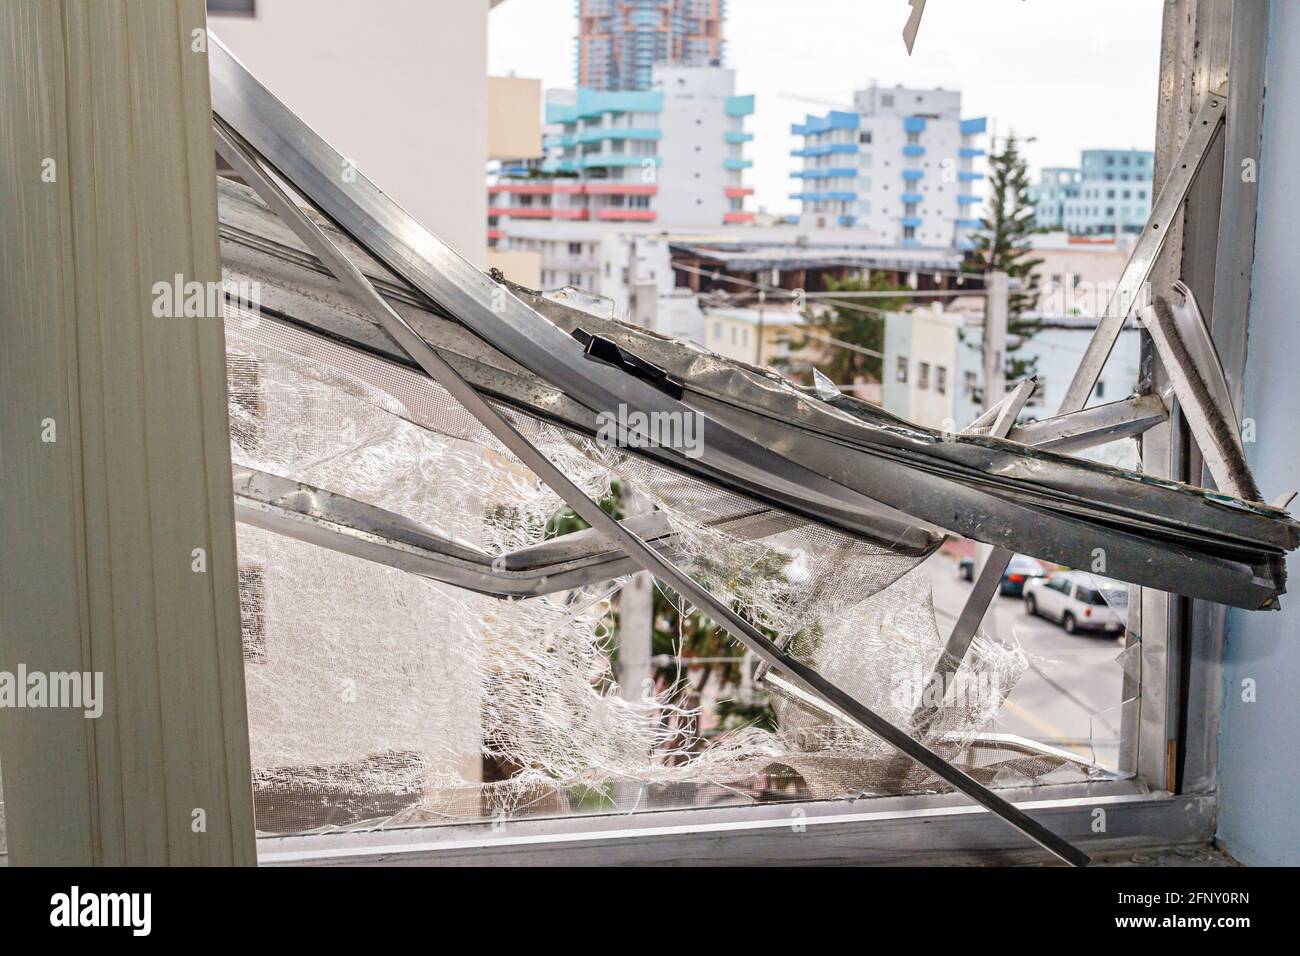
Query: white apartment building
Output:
(672,154)
(901,166)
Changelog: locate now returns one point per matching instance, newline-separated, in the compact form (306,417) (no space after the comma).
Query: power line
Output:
(831,340)
(873,294)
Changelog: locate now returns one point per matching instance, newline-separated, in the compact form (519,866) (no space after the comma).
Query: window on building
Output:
(1100,390)
(864,136)
(238,8)
(575,248)
(923,375)
(941,379)
(900,373)
(970,382)
(717,331)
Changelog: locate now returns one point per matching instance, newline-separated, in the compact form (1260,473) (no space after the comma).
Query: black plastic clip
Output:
(600,349)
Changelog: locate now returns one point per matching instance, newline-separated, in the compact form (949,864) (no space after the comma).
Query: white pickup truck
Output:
(1078,601)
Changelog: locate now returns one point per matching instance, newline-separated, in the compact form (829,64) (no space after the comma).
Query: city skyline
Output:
(1094,86)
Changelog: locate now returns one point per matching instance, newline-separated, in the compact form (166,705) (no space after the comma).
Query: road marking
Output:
(1057,735)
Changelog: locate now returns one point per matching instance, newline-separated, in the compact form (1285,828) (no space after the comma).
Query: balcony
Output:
(826,149)
(522,212)
(604,160)
(825,172)
(522,189)
(738,217)
(626,215)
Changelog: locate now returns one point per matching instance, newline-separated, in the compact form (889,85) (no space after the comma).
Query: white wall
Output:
(397,86)
(694,121)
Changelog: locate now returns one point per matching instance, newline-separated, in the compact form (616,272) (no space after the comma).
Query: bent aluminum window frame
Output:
(1169,736)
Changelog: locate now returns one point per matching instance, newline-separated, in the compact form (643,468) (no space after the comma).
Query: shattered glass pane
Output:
(381,698)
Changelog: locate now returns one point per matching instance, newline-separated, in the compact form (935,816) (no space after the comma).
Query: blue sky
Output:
(1076,74)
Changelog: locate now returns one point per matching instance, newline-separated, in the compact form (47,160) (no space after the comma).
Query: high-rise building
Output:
(1114,192)
(1109,192)
(1056,186)
(899,167)
(621,41)
(672,154)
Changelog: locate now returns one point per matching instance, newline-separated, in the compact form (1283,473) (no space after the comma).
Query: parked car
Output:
(1078,601)
(1021,569)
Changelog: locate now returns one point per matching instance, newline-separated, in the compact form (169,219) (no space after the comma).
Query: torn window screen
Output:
(777,446)
(375,694)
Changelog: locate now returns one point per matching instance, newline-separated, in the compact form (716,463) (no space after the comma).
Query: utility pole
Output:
(635,619)
(996,307)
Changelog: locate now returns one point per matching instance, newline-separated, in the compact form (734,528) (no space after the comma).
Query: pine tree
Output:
(1003,245)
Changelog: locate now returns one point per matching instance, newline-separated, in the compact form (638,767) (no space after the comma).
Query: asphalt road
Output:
(1070,695)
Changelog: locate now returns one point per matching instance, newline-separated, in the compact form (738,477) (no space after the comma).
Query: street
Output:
(1070,694)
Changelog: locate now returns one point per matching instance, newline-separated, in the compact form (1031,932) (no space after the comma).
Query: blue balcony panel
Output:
(971,152)
(974,127)
(603,160)
(737,163)
(842,196)
(835,119)
(911,197)
(966,177)
(914,221)
(740,105)
(969,224)
(913,150)
(620,133)
(848,220)
(825,149)
(592,104)
(966,199)
(912,175)
(731,136)
(914,124)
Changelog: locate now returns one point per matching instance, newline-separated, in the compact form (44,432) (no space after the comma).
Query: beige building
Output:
(515,132)
(1078,273)
(924,373)
(748,334)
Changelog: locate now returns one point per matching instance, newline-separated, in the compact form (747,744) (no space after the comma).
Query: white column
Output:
(118,520)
